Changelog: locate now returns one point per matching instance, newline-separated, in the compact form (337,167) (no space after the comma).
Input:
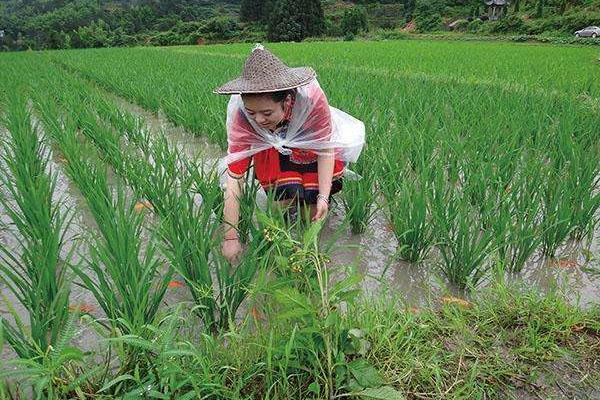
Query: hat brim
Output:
(295,77)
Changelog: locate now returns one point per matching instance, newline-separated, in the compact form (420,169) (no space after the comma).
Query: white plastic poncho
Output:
(314,126)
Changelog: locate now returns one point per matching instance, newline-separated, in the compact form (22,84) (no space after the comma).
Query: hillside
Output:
(40,24)
(95,23)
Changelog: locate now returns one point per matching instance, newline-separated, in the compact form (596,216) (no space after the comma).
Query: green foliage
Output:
(89,23)
(475,26)
(388,34)
(251,10)
(311,303)
(386,16)
(95,34)
(332,27)
(293,20)
(220,28)
(428,15)
(461,25)
(284,24)
(511,23)
(354,21)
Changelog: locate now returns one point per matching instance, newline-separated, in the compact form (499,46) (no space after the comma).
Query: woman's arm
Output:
(231,216)
(325,165)
(231,210)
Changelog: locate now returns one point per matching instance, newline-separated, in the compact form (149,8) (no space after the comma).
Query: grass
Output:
(495,348)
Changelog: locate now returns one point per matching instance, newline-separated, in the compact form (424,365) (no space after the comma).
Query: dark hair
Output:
(277,97)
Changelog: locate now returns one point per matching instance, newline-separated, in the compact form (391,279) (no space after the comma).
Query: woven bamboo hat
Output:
(264,72)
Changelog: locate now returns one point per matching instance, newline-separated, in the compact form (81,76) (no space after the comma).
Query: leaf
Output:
(120,378)
(134,340)
(351,281)
(363,347)
(312,233)
(333,319)
(292,298)
(349,295)
(364,373)
(315,388)
(281,261)
(381,393)
(357,333)
(70,354)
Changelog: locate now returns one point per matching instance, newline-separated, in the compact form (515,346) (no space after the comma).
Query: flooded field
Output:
(455,208)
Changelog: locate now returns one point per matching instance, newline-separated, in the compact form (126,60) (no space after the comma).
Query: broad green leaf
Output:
(381,393)
(364,373)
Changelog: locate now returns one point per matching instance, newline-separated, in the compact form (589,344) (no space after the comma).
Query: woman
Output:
(279,119)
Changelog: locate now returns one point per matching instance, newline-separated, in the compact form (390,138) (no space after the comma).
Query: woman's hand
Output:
(231,249)
(322,209)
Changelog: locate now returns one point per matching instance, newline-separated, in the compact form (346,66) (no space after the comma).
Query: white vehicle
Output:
(590,31)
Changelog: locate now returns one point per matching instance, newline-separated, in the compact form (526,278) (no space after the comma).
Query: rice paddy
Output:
(463,263)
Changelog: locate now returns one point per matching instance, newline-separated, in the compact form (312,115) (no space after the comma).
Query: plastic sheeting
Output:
(314,126)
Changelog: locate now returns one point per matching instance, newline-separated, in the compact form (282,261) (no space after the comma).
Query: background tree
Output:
(294,20)
(539,13)
(428,15)
(475,8)
(251,10)
(312,17)
(284,22)
(267,8)
(409,8)
(354,21)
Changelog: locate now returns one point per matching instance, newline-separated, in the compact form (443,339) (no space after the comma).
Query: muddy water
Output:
(372,253)
(374,250)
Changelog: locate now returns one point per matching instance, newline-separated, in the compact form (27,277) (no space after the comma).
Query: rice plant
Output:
(37,270)
(408,213)
(359,194)
(465,245)
(516,220)
(556,224)
(129,279)
(248,207)
(188,225)
(584,185)
(405,195)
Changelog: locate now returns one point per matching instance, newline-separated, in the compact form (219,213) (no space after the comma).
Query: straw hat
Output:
(264,72)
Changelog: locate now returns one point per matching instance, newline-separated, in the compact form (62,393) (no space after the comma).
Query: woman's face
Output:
(264,111)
